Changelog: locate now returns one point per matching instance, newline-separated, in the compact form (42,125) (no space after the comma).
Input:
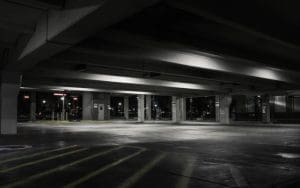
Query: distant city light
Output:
(120,104)
(26,97)
(59,94)
(62,98)
(44,101)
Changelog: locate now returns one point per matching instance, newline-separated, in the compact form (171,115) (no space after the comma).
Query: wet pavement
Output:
(119,154)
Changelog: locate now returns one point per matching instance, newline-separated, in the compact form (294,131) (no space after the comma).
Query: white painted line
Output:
(238,177)
(42,160)
(99,171)
(37,154)
(138,175)
(187,172)
(48,172)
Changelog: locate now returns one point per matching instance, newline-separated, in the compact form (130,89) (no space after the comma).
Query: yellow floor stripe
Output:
(99,171)
(42,160)
(138,175)
(36,154)
(62,167)
(187,172)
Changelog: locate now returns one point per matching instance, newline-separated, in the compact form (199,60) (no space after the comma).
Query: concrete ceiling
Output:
(160,46)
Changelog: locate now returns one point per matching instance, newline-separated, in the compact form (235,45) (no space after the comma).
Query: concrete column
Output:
(141,110)
(217,108)
(266,109)
(106,103)
(183,108)
(87,106)
(178,109)
(174,109)
(126,107)
(32,106)
(148,107)
(225,101)
(9,89)
(100,99)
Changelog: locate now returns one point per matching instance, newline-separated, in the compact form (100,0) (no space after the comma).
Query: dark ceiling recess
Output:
(252,30)
(40,4)
(80,67)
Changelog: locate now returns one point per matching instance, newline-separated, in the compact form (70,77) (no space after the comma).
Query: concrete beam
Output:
(122,80)
(53,4)
(16,27)
(143,48)
(101,61)
(58,30)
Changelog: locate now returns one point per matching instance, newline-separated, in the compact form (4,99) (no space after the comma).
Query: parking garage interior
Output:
(149,93)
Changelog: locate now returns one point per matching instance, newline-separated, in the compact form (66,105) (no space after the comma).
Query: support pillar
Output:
(87,106)
(9,89)
(100,106)
(174,109)
(183,108)
(266,109)
(148,107)
(141,110)
(178,109)
(217,108)
(32,106)
(225,101)
(106,103)
(126,107)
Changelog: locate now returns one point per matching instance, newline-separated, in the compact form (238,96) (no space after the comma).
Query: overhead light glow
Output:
(131,80)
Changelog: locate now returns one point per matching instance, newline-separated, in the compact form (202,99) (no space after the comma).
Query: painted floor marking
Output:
(59,168)
(104,168)
(42,160)
(139,174)
(238,177)
(187,172)
(37,154)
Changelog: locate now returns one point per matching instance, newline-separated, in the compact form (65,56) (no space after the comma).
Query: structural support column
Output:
(32,106)
(9,89)
(225,101)
(266,112)
(178,109)
(217,108)
(100,106)
(87,106)
(174,109)
(126,107)
(183,108)
(148,107)
(141,110)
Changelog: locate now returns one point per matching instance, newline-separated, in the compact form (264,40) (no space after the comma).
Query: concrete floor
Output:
(119,154)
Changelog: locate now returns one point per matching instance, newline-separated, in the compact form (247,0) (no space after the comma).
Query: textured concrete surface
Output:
(90,154)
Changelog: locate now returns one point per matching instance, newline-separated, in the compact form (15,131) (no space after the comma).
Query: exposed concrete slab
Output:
(210,155)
